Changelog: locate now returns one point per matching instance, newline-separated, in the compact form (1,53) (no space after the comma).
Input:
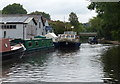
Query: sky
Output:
(58,9)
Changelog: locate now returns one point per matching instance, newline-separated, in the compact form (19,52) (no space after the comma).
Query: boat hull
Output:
(34,45)
(12,54)
(67,44)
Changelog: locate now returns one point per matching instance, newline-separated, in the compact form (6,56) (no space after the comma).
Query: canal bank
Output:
(109,42)
(67,65)
(111,61)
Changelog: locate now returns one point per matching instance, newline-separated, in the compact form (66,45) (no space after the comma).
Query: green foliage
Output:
(80,28)
(96,24)
(47,16)
(109,13)
(58,26)
(73,19)
(14,9)
(0,11)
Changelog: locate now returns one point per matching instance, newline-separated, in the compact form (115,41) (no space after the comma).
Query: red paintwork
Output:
(5,45)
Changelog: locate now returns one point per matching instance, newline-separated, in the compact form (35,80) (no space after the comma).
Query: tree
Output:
(109,13)
(73,19)
(0,11)
(47,16)
(14,9)
(96,25)
(58,26)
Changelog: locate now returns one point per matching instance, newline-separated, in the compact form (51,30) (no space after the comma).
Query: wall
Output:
(40,27)
(14,33)
(30,30)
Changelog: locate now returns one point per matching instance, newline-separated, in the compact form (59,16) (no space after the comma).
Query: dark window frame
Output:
(8,26)
(30,44)
(36,43)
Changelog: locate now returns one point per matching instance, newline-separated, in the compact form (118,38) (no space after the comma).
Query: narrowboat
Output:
(69,39)
(8,51)
(36,44)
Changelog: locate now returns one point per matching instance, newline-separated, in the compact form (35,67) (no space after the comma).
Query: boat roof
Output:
(40,36)
(52,35)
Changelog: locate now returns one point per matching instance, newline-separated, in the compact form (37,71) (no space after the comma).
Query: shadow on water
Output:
(29,60)
(111,60)
(37,58)
(68,50)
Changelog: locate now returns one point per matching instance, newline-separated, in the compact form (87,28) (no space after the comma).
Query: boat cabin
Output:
(5,45)
(69,35)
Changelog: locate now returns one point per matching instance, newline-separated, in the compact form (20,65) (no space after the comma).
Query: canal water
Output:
(90,63)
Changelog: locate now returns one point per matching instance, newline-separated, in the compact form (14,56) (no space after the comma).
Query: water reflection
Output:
(111,60)
(86,64)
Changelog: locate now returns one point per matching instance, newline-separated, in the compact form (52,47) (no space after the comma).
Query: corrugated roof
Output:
(20,19)
(28,20)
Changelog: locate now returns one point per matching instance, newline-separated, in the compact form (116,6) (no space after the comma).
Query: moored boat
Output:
(36,44)
(69,39)
(8,51)
(92,40)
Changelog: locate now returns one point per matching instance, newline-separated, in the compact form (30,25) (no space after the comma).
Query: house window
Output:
(39,25)
(11,26)
(8,26)
(14,26)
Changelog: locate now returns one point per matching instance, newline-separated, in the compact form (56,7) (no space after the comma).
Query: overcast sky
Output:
(58,9)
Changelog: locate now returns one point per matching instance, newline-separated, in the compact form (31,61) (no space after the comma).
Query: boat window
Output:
(6,45)
(72,36)
(36,43)
(77,37)
(30,44)
(68,36)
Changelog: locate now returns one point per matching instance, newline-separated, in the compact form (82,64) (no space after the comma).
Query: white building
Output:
(41,26)
(21,26)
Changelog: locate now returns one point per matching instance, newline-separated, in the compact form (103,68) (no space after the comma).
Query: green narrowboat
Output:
(37,43)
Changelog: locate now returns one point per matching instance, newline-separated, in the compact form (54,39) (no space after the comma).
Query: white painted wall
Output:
(14,33)
(30,30)
(30,27)
(40,27)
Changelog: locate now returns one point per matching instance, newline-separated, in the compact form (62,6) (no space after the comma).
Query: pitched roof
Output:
(16,19)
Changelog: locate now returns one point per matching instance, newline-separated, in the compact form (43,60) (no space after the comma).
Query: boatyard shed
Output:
(18,27)
(21,26)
